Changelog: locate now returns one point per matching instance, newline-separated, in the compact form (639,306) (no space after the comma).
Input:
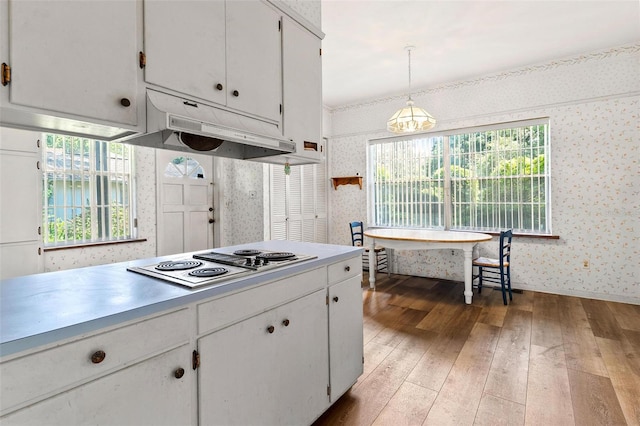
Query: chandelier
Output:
(410,118)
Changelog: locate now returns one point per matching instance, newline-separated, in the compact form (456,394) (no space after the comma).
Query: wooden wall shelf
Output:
(346,180)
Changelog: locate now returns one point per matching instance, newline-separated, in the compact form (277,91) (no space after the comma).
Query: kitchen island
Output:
(106,345)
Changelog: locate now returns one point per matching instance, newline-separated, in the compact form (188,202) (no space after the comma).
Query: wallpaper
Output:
(241,199)
(593,103)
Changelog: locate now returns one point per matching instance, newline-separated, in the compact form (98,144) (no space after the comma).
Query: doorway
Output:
(185,214)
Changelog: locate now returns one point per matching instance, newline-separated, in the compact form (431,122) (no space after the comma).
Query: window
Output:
(485,179)
(88,194)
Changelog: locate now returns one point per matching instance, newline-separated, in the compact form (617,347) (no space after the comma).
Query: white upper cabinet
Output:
(184,42)
(74,58)
(228,53)
(302,93)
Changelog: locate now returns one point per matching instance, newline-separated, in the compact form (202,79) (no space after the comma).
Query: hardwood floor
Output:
(542,360)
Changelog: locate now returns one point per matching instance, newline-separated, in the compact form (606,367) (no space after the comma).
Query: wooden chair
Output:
(497,270)
(357,239)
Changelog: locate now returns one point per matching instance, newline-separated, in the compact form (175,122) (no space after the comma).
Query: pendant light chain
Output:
(409,52)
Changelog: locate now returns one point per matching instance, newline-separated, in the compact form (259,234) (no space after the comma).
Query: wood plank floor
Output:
(543,360)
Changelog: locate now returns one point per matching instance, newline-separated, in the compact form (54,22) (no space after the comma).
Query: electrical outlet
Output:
(453,252)
(585,263)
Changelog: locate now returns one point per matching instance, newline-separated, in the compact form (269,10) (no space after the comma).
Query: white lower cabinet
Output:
(157,391)
(271,369)
(278,353)
(345,335)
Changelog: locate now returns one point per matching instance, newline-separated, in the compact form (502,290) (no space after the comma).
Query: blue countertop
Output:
(44,308)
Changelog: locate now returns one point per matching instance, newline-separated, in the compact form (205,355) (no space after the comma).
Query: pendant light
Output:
(410,118)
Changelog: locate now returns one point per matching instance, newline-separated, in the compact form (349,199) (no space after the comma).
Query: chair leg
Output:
(509,283)
(502,285)
(479,279)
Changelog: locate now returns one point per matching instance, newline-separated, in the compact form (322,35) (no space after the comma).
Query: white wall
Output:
(593,102)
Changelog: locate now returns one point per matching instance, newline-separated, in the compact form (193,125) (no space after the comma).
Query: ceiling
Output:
(363,50)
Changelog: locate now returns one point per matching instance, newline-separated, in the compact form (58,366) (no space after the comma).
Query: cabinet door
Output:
(75,57)
(254,59)
(20,203)
(302,91)
(148,393)
(185,47)
(248,375)
(345,335)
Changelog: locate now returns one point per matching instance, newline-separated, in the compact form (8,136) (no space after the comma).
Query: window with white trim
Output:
(88,191)
(487,178)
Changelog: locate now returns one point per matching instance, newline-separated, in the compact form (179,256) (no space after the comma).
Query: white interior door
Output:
(185,202)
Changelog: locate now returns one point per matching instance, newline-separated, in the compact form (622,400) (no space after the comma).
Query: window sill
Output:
(66,246)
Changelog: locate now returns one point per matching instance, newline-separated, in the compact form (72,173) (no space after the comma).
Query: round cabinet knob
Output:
(335,299)
(285,322)
(98,357)
(179,373)
(347,268)
(271,329)
(235,93)
(211,220)
(125,102)
(219,86)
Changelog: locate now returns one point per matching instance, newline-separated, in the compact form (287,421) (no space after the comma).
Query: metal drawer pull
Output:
(271,329)
(285,323)
(98,357)
(179,373)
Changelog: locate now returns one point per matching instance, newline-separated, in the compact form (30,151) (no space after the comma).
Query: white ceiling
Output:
(363,50)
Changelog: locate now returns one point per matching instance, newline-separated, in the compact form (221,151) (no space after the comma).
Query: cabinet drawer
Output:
(346,269)
(230,309)
(26,379)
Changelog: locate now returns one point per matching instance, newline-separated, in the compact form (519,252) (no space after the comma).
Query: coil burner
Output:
(180,265)
(208,272)
(275,256)
(247,252)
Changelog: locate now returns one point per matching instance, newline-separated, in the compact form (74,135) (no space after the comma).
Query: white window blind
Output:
(486,179)
(88,194)
(408,183)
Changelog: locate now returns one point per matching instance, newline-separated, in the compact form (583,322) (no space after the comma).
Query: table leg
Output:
(468,273)
(372,265)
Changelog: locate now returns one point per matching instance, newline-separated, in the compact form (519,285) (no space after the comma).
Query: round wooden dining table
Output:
(424,239)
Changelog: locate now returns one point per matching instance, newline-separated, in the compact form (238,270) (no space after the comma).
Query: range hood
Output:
(184,125)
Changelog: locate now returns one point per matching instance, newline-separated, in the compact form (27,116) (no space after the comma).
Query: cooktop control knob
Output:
(265,261)
(248,261)
(256,262)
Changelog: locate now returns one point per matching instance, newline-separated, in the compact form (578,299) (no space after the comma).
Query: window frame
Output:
(89,175)
(446,163)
